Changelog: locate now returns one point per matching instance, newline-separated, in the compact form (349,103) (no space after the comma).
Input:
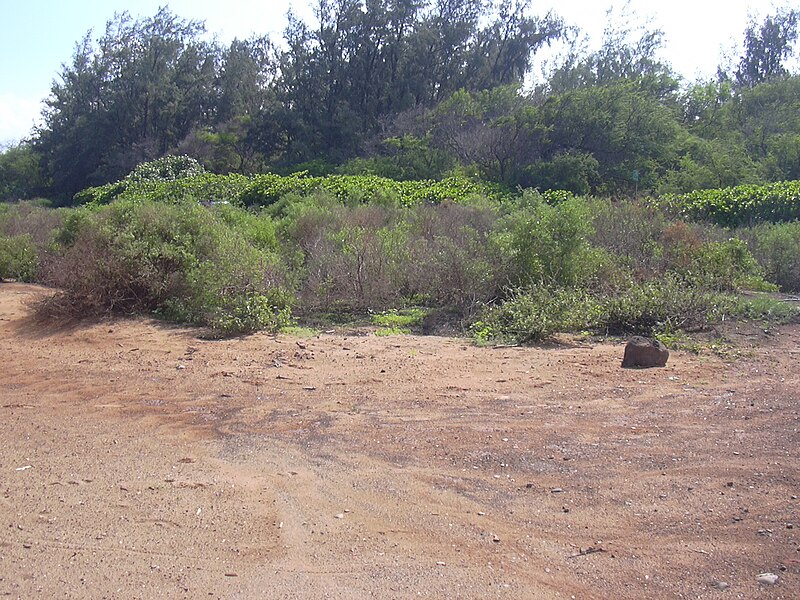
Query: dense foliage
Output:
(269,189)
(508,267)
(386,160)
(415,90)
(740,205)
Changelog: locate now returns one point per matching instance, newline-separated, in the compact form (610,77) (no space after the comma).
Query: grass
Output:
(398,322)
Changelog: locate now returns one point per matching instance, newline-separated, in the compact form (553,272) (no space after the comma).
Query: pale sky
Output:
(38,36)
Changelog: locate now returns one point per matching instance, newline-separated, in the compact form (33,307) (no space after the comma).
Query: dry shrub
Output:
(631,231)
(456,260)
(353,257)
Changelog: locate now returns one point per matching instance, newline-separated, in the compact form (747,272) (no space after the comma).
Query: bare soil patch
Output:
(142,461)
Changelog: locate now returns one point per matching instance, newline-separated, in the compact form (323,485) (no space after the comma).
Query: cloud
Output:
(18,115)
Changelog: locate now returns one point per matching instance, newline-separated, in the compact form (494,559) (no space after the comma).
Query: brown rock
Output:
(642,353)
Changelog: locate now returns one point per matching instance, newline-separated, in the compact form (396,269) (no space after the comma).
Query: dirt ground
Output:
(139,460)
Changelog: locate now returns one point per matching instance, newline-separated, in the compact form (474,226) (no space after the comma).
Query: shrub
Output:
(167,168)
(738,206)
(777,249)
(18,258)
(358,260)
(535,314)
(632,232)
(398,322)
(549,245)
(657,305)
(179,261)
(456,254)
(727,266)
(30,219)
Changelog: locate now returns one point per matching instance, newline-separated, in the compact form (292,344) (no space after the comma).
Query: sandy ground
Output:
(139,460)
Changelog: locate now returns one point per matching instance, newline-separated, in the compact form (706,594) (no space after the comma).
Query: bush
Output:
(18,258)
(179,261)
(31,219)
(456,255)
(549,245)
(631,232)
(727,266)
(668,304)
(535,314)
(738,206)
(777,249)
(659,305)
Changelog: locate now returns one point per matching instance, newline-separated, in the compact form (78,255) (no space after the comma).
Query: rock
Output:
(767,578)
(720,585)
(642,352)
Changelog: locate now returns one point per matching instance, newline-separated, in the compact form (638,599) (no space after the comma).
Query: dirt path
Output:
(140,461)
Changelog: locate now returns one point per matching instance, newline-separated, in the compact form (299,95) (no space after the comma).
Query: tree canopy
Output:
(415,89)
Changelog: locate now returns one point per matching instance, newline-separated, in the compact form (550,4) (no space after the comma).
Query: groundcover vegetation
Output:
(239,254)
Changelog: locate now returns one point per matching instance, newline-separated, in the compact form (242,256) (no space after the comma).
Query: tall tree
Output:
(629,52)
(368,60)
(767,46)
(130,98)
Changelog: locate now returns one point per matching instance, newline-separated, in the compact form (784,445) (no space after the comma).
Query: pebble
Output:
(767,578)
(720,585)
(556,490)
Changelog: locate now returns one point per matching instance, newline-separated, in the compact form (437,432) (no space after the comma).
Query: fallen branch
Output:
(589,550)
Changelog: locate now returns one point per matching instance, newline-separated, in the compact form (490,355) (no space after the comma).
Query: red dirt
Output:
(142,461)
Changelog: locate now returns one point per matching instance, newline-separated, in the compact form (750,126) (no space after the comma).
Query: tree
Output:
(132,97)
(368,61)
(20,173)
(767,46)
(628,131)
(628,52)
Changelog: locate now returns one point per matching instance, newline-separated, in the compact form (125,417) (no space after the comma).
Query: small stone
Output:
(767,578)
(340,516)
(556,490)
(495,539)
(720,585)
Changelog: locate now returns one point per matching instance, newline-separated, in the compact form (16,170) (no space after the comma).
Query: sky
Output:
(38,36)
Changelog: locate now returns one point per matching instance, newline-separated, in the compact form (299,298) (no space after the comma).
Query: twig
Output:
(585,551)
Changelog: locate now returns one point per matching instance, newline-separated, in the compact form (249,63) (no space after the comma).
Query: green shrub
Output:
(764,307)
(249,313)
(738,206)
(167,168)
(182,262)
(777,249)
(18,258)
(549,245)
(727,266)
(398,322)
(534,315)
(668,303)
